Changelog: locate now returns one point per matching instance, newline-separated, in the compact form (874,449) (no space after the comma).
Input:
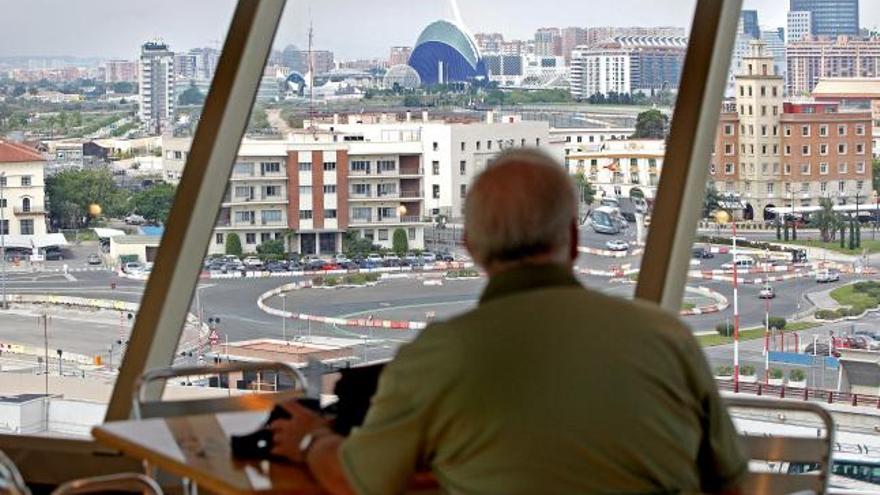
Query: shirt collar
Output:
(526,278)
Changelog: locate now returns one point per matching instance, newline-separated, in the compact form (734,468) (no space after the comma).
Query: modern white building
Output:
(617,168)
(599,70)
(453,151)
(575,140)
(799,24)
(156,87)
(22,199)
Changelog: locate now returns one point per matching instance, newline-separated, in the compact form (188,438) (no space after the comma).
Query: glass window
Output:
(270,216)
(305,166)
(26,180)
(362,166)
(329,189)
(330,213)
(462,167)
(435,191)
(305,214)
(435,167)
(26,227)
(305,190)
(270,167)
(329,166)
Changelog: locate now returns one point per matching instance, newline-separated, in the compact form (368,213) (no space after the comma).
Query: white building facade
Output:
(156,87)
(22,198)
(618,168)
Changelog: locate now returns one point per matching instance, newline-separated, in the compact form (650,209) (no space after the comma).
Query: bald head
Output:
(521,209)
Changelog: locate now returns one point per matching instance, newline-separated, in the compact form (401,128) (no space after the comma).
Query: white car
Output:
(766,293)
(374,258)
(429,257)
(133,268)
(134,219)
(826,276)
(253,262)
(617,245)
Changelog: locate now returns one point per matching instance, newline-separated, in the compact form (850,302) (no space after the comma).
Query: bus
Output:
(605,220)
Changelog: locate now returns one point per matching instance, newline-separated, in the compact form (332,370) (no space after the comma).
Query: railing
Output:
(410,219)
(410,194)
(33,210)
(798,393)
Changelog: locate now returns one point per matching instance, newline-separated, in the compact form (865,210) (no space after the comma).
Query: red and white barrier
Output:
(610,254)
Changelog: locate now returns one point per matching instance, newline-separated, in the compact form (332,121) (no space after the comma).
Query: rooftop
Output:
(848,87)
(11,152)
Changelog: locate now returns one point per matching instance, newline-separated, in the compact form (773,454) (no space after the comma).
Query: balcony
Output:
(281,198)
(35,210)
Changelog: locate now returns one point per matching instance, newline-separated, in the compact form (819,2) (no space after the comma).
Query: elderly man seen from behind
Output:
(545,387)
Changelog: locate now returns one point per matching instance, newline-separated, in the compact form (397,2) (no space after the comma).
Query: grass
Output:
(849,296)
(872,246)
(751,334)
(687,306)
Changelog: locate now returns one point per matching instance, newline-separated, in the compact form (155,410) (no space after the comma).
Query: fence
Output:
(800,393)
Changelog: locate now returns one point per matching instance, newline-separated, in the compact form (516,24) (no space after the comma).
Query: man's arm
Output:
(324,463)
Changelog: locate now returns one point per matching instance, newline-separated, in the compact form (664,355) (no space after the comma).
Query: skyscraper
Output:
(399,55)
(800,24)
(750,23)
(548,42)
(830,17)
(156,87)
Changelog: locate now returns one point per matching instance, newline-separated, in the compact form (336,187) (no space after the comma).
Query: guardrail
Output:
(800,393)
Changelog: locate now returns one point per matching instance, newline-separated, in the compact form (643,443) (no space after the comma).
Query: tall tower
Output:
(759,104)
(156,87)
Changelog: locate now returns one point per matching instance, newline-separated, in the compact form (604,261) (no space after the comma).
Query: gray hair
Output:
(521,206)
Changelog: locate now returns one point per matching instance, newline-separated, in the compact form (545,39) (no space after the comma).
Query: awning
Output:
(103,233)
(17,241)
(45,240)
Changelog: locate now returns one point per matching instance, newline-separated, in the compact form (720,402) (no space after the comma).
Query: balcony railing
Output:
(32,210)
(410,194)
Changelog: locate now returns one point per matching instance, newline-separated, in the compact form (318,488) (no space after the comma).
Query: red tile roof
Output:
(14,152)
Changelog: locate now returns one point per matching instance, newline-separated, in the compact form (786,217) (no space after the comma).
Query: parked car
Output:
(702,253)
(133,268)
(820,349)
(429,257)
(275,267)
(766,292)
(53,254)
(825,276)
(617,245)
(253,262)
(94,259)
(411,258)
(341,258)
(135,219)
(445,256)
(374,258)
(329,265)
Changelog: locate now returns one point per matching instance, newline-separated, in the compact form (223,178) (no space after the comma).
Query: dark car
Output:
(702,253)
(820,349)
(445,257)
(275,267)
(54,255)
(349,265)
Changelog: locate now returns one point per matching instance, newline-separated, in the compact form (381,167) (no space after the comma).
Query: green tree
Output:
(233,244)
(842,233)
(711,200)
(70,192)
(826,220)
(584,189)
(191,96)
(399,242)
(875,169)
(154,203)
(651,124)
(355,245)
(273,248)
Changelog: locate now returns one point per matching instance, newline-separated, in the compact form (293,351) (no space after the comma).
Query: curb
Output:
(440,266)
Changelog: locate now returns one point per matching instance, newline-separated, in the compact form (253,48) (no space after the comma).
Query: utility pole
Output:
(4,231)
(46,351)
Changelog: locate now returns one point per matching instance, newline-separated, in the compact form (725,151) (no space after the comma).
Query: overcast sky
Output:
(351,28)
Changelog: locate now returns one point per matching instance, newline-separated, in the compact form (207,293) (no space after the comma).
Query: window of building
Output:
(841,186)
(386,165)
(805,131)
(763,110)
(787,150)
(860,184)
(272,191)
(841,129)
(25,182)
(750,90)
(522,142)
(478,145)
(435,146)
(580,139)
(775,110)
(330,189)
(775,130)
(435,191)
(751,130)
(841,168)
(383,234)
(411,233)
(270,167)
(763,90)
(728,149)
(386,189)
(805,169)
(823,168)
(270,216)
(362,166)
(305,214)
(218,238)
(860,149)
(265,237)
(250,238)
(805,187)
(728,130)
(823,149)
(305,190)
(488,144)
(360,189)
(770,186)
(25,204)
(823,130)
(774,90)
(860,129)
(462,145)
(435,167)
(245,217)
(304,166)
(330,213)
(3,203)
(747,186)
(361,214)
(860,167)
(329,166)
(246,169)
(463,190)
(823,187)
(841,149)
(537,142)
(462,167)
(26,226)
(764,149)
(805,150)
(764,168)
(728,168)
(742,90)
(787,130)
(763,130)
(788,187)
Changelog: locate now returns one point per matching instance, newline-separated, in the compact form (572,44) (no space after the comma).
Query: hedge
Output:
(724,329)
(775,373)
(747,370)
(776,322)
(724,371)
(796,375)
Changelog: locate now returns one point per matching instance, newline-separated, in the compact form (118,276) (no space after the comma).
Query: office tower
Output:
(830,17)
(156,87)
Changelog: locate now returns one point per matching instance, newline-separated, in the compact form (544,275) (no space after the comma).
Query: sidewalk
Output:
(823,299)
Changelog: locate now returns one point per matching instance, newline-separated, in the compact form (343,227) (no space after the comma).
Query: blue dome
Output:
(444,44)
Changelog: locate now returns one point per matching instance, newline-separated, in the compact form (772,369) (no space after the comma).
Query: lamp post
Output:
(722,217)
(4,231)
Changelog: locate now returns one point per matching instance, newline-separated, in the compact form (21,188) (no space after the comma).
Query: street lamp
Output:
(722,217)
(4,231)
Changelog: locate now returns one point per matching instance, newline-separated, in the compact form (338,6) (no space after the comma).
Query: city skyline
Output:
(74,36)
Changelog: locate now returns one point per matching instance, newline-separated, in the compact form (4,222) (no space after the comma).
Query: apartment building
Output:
(453,150)
(156,108)
(772,152)
(574,140)
(22,199)
(861,94)
(311,188)
(617,169)
(814,58)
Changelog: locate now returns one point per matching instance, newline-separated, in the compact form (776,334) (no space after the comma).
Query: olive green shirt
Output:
(548,388)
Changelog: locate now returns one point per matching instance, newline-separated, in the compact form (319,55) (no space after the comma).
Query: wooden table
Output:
(198,448)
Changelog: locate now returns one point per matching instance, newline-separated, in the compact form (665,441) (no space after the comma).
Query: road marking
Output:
(70,277)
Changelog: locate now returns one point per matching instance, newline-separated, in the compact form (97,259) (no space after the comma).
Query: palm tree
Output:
(826,220)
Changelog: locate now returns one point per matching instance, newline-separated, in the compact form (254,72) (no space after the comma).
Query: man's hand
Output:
(288,433)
